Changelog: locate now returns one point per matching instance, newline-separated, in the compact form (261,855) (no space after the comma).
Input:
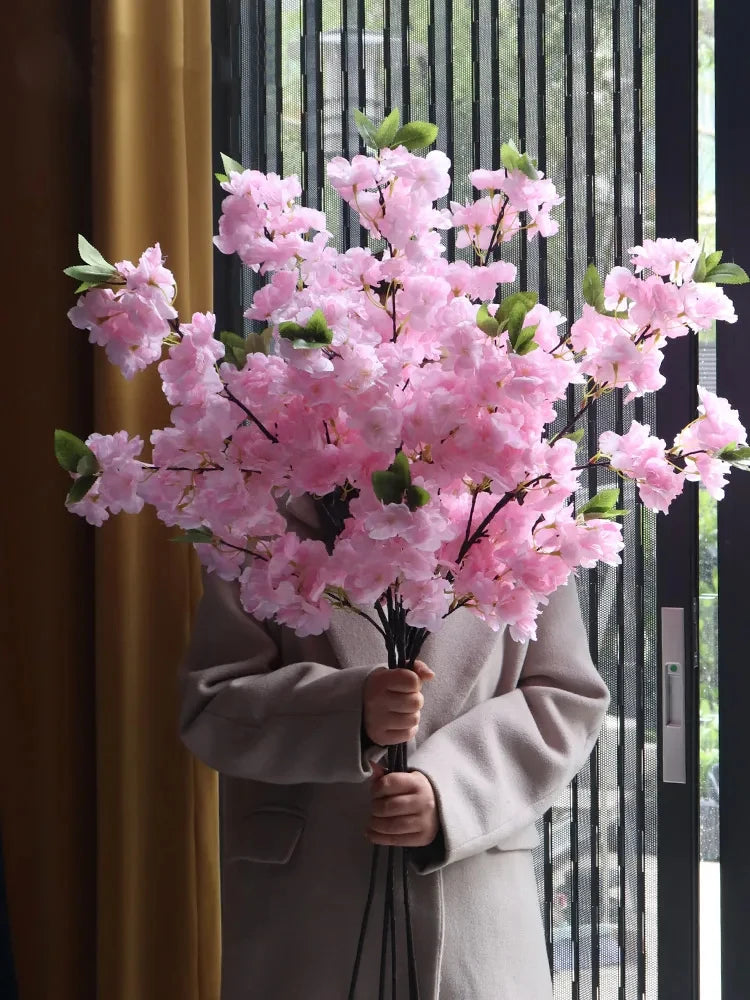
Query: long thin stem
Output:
(365,921)
(250,414)
(496,231)
(572,422)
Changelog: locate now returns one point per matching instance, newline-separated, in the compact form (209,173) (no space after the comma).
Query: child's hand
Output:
(393,702)
(404,812)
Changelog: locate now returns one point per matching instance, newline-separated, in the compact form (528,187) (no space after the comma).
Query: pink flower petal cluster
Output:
(190,374)
(117,483)
(130,323)
(405,369)
(675,259)
(641,456)
(289,585)
(717,426)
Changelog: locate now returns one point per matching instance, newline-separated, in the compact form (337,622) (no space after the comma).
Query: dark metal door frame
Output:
(676,140)
(732,25)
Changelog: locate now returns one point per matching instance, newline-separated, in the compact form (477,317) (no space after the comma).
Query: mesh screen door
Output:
(571,81)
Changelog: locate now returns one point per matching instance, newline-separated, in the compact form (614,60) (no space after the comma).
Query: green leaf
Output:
(416,496)
(69,450)
(416,135)
(526,166)
(593,289)
(80,488)
(221,178)
(194,536)
(604,501)
(524,343)
(387,486)
(515,322)
(291,331)
(576,436)
(487,323)
(231,166)
(90,255)
(366,128)
(401,469)
(527,299)
(83,287)
(605,515)
(734,454)
(727,274)
(90,274)
(235,348)
(317,330)
(701,266)
(387,131)
(713,259)
(509,156)
(87,464)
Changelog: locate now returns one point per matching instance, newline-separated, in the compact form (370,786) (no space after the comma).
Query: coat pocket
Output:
(267,835)
(524,840)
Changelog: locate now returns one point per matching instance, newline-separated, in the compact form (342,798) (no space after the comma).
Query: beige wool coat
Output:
(504,728)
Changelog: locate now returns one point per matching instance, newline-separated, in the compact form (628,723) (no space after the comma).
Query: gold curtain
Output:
(109,827)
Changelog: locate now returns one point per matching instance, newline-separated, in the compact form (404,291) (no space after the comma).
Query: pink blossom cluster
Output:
(130,322)
(121,473)
(407,363)
(702,442)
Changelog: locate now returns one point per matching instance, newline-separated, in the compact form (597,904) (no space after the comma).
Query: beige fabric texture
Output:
(505,727)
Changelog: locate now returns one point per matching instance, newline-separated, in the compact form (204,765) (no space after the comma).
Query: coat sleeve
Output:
(247,716)
(498,768)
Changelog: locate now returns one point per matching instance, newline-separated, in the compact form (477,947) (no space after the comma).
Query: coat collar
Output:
(457,653)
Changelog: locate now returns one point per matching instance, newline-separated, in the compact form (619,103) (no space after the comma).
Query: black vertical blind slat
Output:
(447,10)
(405,74)
(641,541)
(522,137)
(387,68)
(476,121)
(541,100)
(495,82)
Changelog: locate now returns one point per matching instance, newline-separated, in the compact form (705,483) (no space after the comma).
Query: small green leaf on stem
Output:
(69,450)
(90,274)
(90,255)
(366,128)
(524,342)
(231,166)
(387,486)
(80,488)
(385,135)
(417,496)
(416,135)
(727,274)
(576,436)
(738,456)
(602,505)
(487,323)
(194,536)
(699,271)
(593,289)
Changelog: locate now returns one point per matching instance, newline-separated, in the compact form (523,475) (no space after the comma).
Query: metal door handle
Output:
(673,695)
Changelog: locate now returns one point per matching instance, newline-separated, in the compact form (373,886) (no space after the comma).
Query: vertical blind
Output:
(572,82)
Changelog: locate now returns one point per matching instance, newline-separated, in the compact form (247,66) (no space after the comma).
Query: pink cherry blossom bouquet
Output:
(401,394)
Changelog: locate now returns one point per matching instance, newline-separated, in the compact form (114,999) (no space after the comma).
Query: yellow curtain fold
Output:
(157,812)
(109,827)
